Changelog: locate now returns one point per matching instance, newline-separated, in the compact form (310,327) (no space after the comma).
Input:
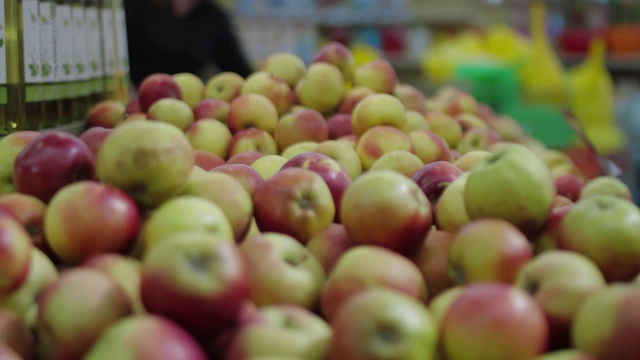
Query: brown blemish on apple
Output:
(388,334)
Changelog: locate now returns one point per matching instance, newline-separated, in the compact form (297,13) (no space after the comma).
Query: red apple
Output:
(377,75)
(212,109)
(339,125)
(329,245)
(245,157)
(411,97)
(338,55)
(322,88)
(30,212)
(272,86)
(10,147)
(94,137)
(433,261)
(459,103)
(429,146)
(304,125)
(253,139)
(549,237)
(16,336)
(400,161)
(248,177)
(15,254)
(342,153)
(352,97)
(252,111)
(51,161)
(434,178)
(206,160)
(478,139)
(106,113)
(157,86)
(133,106)
(380,140)
(444,126)
(569,185)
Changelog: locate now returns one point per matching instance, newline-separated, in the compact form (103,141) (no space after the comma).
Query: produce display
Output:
(310,211)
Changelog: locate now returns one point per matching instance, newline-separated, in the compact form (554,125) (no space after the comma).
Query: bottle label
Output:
(108,36)
(31,49)
(123,47)
(96,70)
(48,50)
(81,53)
(65,43)
(3,56)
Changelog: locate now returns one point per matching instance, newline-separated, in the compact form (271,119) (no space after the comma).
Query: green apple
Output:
(304,125)
(252,110)
(288,66)
(269,165)
(445,126)
(468,161)
(256,140)
(379,140)
(401,161)
(337,54)
(450,211)
(191,87)
(10,146)
(272,86)
(15,254)
(322,88)
(378,109)
(329,245)
(298,148)
(441,303)
(342,153)
(125,270)
(225,86)
(172,111)
(352,97)
(415,121)
(566,354)
(210,135)
(411,97)
(480,139)
(606,185)
(429,146)
(513,184)
(384,324)
(106,113)
(377,75)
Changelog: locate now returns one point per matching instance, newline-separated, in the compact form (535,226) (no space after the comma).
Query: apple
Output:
(381,324)
(252,111)
(225,86)
(229,194)
(354,274)
(172,111)
(133,117)
(304,125)
(386,209)
(75,310)
(185,213)
(590,225)
(16,336)
(494,321)
(338,55)
(198,279)
(270,85)
(334,174)
(342,153)
(548,238)
(329,245)
(471,159)
(282,271)
(106,113)
(351,98)
(285,65)
(478,139)
(450,212)
(94,137)
(565,354)
(298,148)
(150,160)
(554,158)
(146,337)
(78,209)
(415,121)
(212,109)
(444,126)
(513,184)
(606,185)
(296,202)
(411,97)
(192,88)
(454,155)
(559,282)
(378,109)
(155,87)
(507,127)
(441,303)
(377,75)
(15,254)
(429,146)
(400,161)
(252,140)
(339,125)
(23,301)
(210,135)
(247,157)
(461,103)
(322,88)
(206,160)
(570,186)
(6,353)
(51,161)
(351,140)
(433,261)
(10,147)
(30,212)
(269,165)
(133,105)
(247,176)
(488,250)
(470,121)
(380,140)
(435,177)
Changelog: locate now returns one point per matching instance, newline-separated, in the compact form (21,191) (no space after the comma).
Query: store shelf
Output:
(616,62)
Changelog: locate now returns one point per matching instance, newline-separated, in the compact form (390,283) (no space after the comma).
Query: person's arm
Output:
(228,53)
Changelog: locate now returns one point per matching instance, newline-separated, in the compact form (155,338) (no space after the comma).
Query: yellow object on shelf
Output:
(364,53)
(543,78)
(592,100)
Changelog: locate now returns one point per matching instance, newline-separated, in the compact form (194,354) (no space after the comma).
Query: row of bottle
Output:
(58,58)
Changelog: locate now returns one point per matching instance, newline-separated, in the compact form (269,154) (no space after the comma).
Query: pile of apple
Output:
(310,211)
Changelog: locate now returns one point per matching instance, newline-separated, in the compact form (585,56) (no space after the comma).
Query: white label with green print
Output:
(123,47)
(48,39)
(66,55)
(31,41)
(109,38)
(3,46)
(81,53)
(94,42)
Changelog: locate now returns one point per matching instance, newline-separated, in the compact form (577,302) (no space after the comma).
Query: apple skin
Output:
(15,334)
(150,160)
(488,250)
(351,98)
(247,176)
(133,105)
(269,165)
(386,209)
(172,111)
(210,135)
(6,353)
(513,184)
(225,86)
(206,160)
(229,194)
(10,147)
(30,212)
(351,140)
(450,213)
(400,161)
(304,125)
(270,85)
(380,140)
(468,161)
(322,88)
(197,279)
(382,324)
(329,245)
(590,225)
(338,55)
(494,321)
(470,121)
(191,88)
(296,202)
(411,97)
(415,121)
(565,354)
(569,185)
(435,177)
(478,139)
(106,113)
(378,109)
(508,128)
(95,301)
(559,282)
(342,153)
(339,125)
(429,146)
(246,157)
(15,254)
(212,109)
(285,65)
(146,337)
(253,139)
(444,126)
(282,271)
(94,137)
(440,304)
(433,261)
(549,236)
(333,174)
(377,75)
(252,111)
(606,185)
(460,103)
(353,275)
(51,161)
(298,148)
(157,86)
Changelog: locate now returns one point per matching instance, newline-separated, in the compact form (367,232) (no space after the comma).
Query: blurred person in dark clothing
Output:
(172,36)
